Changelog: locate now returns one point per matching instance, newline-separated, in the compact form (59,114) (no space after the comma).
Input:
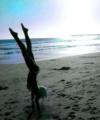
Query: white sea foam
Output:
(49,48)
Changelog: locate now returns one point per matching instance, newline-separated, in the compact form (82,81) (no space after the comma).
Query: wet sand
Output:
(73,86)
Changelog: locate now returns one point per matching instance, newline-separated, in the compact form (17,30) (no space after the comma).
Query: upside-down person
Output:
(31,64)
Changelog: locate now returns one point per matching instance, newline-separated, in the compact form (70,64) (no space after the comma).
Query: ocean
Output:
(50,48)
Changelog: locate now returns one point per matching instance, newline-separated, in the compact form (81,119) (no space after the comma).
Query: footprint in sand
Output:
(94,118)
(11,101)
(56,117)
(89,63)
(94,110)
(8,119)
(86,109)
(80,118)
(71,116)
(67,107)
(75,107)
(8,113)
(61,94)
(68,84)
(97,75)
(1,113)
(91,100)
(62,80)
(27,109)
(76,98)
(3,88)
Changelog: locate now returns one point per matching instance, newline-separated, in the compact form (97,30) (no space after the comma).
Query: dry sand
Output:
(73,85)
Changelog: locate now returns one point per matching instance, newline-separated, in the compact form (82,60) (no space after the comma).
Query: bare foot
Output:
(14,34)
(25,30)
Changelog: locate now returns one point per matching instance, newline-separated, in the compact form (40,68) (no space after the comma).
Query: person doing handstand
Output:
(31,64)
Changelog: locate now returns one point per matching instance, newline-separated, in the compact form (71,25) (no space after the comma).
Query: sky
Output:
(49,18)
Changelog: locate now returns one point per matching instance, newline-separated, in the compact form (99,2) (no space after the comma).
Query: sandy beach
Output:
(73,86)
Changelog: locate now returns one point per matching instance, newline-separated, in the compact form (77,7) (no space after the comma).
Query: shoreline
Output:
(72,84)
(48,59)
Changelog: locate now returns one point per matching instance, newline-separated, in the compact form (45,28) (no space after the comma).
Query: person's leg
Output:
(29,45)
(27,58)
(15,35)
(28,41)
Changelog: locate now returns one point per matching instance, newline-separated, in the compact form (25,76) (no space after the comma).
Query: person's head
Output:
(42,92)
